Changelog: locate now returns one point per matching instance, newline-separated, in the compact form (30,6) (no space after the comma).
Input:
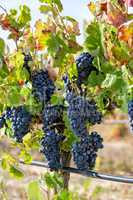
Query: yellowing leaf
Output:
(92,7)
(40,35)
(17,59)
(125,33)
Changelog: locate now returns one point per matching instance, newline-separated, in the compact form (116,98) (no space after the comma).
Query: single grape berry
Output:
(21,120)
(50,148)
(42,86)
(130,113)
(84,67)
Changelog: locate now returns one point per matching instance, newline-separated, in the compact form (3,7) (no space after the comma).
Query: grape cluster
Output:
(130,113)
(85,151)
(50,148)
(42,86)
(84,67)
(52,117)
(20,119)
(80,112)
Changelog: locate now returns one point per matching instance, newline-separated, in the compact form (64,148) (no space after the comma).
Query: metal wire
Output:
(89,173)
(121,121)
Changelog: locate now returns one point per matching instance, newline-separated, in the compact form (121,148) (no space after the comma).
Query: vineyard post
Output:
(65,160)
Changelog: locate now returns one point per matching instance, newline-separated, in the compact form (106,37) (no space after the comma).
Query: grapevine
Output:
(53,90)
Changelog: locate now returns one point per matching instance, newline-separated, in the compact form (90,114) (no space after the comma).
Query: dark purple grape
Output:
(42,86)
(130,113)
(84,67)
(80,112)
(85,151)
(21,120)
(50,148)
(52,117)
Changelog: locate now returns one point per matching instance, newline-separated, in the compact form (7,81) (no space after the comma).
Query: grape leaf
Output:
(2,46)
(24,17)
(15,172)
(93,40)
(34,192)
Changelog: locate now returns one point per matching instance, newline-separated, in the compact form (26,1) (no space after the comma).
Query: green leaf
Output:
(24,17)
(34,192)
(4,71)
(16,172)
(55,44)
(25,92)
(53,180)
(13,12)
(59,4)
(14,96)
(114,81)
(64,195)
(50,181)
(72,71)
(4,163)
(25,156)
(71,19)
(120,53)
(45,8)
(93,40)
(110,80)
(45,1)
(2,46)
(95,79)
(56,99)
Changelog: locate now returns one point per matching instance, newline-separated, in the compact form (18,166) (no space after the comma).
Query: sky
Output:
(75,8)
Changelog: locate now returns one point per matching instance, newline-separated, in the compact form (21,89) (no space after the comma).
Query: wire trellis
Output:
(88,173)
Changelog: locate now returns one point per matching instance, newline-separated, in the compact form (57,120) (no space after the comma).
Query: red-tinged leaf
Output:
(125,32)
(103,7)
(128,3)
(115,16)
(4,22)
